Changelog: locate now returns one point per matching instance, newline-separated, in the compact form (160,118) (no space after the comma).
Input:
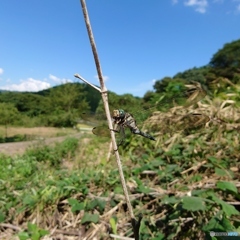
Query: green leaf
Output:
(219,223)
(214,223)
(170,200)
(227,224)
(2,217)
(193,203)
(84,190)
(143,189)
(35,236)
(220,172)
(227,186)
(91,205)
(101,204)
(29,200)
(76,205)
(213,159)
(32,227)
(43,232)
(96,203)
(90,218)
(118,190)
(159,237)
(229,209)
(23,236)
(113,224)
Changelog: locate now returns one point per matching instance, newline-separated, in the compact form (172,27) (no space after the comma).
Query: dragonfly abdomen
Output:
(132,125)
(143,134)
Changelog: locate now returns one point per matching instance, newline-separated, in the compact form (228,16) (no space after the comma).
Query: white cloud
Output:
(199,5)
(1,71)
(54,78)
(59,80)
(202,5)
(238,8)
(29,85)
(105,78)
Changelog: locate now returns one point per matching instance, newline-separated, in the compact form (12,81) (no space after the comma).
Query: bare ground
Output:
(18,148)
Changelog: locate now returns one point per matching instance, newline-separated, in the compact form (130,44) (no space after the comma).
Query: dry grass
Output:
(37,131)
(220,113)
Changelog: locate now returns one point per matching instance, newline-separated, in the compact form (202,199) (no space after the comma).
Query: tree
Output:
(31,104)
(126,102)
(67,96)
(65,103)
(160,85)
(226,62)
(92,97)
(8,114)
(194,74)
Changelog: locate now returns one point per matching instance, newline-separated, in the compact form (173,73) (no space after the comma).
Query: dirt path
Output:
(18,148)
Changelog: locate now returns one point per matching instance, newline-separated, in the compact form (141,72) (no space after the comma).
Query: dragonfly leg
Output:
(114,150)
(122,134)
(115,130)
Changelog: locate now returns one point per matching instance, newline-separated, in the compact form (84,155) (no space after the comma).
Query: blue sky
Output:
(44,43)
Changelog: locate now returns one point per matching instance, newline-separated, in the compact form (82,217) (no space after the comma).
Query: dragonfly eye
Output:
(121,113)
(118,113)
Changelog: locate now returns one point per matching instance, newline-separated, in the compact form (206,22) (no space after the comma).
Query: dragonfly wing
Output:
(100,126)
(104,131)
(97,121)
(101,130)
(191,94)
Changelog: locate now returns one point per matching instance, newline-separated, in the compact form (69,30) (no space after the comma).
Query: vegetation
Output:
(184,185)
(8,114)
(50,108)
(57,107)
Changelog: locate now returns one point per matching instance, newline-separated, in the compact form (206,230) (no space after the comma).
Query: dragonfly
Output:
(123,120)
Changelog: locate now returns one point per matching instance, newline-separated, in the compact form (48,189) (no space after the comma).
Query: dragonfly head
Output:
(119,113)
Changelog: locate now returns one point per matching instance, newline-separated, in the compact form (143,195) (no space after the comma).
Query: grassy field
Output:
(21,138)
(185,185)
(36,131)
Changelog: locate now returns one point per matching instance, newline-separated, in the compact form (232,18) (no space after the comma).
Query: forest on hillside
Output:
(61,106)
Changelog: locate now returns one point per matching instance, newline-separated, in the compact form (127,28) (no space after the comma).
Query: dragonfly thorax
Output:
(119,114)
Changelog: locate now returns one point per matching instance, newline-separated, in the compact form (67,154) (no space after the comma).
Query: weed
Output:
(183,191)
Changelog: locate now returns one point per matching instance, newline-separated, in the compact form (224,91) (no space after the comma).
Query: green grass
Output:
(183,191)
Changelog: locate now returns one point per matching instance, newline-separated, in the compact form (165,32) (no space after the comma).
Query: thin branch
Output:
(194,168)
(84,80)
(93,45)
(107,111)
(8,225)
